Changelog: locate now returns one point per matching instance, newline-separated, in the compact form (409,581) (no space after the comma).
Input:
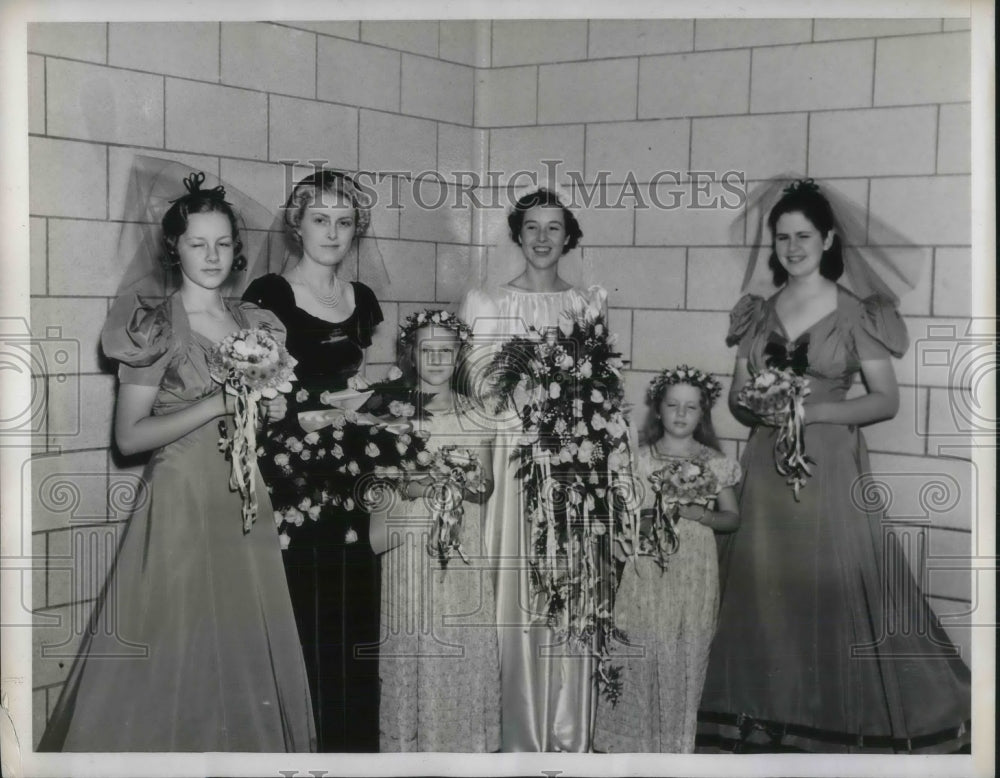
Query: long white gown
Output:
(548,691)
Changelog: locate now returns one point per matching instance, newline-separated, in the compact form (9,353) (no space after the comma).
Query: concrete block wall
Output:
(879,109)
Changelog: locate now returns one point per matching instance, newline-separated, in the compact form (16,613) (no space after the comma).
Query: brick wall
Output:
(879,109)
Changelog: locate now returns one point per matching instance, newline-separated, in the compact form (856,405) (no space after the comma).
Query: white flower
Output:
(764,380)
(294,445)
(401,447)
(353,468)
(394,374)
(304,504)
(444,316)
(348,504)
(320,453)
(598,528)
(338,434)
(424,458)
(312,438)
(306,455)
(284,540)
(566,362)
(314,512)
(596,396)
(586,452)
(372,450)
(281,460)
(357,383)
(580,430)
(565,455)
(560,426)
(278,518)
(293,516)
(586,369)
(598,422)
(301,396)
(554,390)
(337,451)
(616,461)
(351,536)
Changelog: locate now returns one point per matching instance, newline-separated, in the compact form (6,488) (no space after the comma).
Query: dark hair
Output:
(543,197)
(175,224)
(310,189)
(804,197)
(704,433)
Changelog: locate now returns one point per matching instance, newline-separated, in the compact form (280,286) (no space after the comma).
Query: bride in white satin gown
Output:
(547,685)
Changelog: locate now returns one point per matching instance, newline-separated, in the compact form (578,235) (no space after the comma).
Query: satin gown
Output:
(816,647)
(204,654)
(547,686)
(334,583)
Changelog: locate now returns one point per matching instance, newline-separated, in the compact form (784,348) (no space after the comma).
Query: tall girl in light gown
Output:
(669,615)
(439,668)
(548,688)
(819,646)
(204,654)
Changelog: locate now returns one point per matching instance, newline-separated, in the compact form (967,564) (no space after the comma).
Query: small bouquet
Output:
(681,482)
(778,395)
(250,364)
(453,470)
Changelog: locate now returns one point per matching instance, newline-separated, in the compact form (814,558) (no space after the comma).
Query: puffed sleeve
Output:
(255,316)
(269,292)
(479,311)
(369,313)
(747,311)
(726,470)
(878,329)
(139,335)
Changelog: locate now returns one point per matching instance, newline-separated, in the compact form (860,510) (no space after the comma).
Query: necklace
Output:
(330,300)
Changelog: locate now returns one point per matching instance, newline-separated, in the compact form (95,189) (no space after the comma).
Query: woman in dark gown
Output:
(333,575)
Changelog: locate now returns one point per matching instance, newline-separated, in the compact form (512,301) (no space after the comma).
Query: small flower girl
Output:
(439,666)
(668,598)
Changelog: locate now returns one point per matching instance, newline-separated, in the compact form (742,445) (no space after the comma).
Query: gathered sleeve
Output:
(742,320)
(878,329)
(726,470)
(139,335)
(369,313)
(480,312)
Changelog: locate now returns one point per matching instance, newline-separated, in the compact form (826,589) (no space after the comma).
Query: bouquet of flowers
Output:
(327,472)
(574,467)
(778,395)
(250,364)
(452,470)
(681,482)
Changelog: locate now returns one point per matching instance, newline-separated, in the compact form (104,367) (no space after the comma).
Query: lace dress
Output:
(439,667)
(548,689)
(203,654)
(815,648)
(669,617)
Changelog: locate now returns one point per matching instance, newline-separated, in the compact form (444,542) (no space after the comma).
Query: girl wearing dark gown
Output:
(818,647)
(333,575)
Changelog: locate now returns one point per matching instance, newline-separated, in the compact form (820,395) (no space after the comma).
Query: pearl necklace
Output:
(332,300)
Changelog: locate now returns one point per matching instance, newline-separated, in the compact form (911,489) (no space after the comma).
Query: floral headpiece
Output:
(436,317)
(684,374)
(193,184)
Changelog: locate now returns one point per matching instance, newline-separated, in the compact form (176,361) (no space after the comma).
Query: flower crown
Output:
(438,318)
(684,374)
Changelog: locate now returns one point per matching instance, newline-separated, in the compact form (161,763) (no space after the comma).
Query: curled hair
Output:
(543,198)
(197,200)
(804,197)
(704,433)
(326,186)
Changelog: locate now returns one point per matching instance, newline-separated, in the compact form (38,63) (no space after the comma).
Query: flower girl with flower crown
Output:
(668,597)
(439,668)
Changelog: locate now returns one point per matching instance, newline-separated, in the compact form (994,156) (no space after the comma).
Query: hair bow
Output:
(802,185)
(193,184)
(783,355)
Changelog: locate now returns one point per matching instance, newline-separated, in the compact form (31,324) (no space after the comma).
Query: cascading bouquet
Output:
(574,466)
(250,364)
(315,475)
(777,395)
(681,482)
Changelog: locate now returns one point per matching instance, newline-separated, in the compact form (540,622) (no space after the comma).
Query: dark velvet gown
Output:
(334,583)
(816,648)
